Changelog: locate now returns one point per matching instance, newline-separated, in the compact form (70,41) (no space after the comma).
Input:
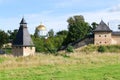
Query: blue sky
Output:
(54,13)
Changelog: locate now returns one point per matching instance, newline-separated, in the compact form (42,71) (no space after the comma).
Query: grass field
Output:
(74,66)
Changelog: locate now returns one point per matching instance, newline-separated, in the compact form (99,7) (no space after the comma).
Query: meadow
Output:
(73,66)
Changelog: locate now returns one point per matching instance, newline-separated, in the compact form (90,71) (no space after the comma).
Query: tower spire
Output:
(23,21)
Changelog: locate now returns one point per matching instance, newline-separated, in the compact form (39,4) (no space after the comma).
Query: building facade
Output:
(22,45)
(103,35)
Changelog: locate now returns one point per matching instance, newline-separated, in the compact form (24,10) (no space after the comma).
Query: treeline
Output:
(78,28)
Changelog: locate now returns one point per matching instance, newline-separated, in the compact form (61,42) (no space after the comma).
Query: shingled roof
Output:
(117,33)
(102,27)
(23,37)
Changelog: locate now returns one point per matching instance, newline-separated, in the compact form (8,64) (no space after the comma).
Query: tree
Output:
(51,33)
(3,38)
(12,34)
(63,32)
(94,25)
(77,29)
(36,33)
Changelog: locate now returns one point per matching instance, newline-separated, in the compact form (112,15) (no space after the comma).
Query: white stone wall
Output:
(28,51)
(115,40)
(102,38)
(23,51)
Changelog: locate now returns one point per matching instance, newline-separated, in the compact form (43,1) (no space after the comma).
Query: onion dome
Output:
(41,28)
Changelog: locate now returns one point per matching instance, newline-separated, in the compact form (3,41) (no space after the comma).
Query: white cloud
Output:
(59,22)
(115,8)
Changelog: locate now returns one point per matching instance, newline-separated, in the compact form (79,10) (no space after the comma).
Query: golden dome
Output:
(41,27)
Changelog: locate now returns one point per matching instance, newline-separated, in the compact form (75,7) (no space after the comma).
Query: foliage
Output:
(8,50)
(101,49)
(94,25)
(63,32)
(69,49)
(12,34)
(3,38)
(36,33)
(39,44)
(89,49)
(49,45)
(51,33)
(77,29)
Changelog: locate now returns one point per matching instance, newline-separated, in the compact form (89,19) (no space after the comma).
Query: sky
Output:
(54,13)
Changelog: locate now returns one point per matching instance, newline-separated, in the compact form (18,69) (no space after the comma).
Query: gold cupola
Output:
(41,27)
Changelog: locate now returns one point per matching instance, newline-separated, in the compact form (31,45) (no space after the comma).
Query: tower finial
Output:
(23,21)
(40,23)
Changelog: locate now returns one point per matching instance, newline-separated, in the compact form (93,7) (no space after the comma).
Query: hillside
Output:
(74,66)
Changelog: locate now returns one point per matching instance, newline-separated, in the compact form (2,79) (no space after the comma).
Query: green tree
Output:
(94,25)
(36,33)
(77,29)
(3,38)
(63,32)
(51,33)
(12,34)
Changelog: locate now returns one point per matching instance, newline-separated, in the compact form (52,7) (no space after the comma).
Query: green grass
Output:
(108,72)
(77,66)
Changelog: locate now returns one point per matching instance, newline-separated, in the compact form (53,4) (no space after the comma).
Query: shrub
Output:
(101,49)
(65,56)
(69,49)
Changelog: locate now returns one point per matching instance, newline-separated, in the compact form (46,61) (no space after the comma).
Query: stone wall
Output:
(23,51)
(83,42)
(17,51)
(102,38)
(115,39)
(28,51)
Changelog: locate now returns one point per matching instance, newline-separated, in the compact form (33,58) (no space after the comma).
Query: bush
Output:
(101,49)
(69,49)
(65,56)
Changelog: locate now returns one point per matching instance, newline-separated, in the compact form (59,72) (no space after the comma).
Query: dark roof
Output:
(102,27)
(117,33)
(23,21)
(23,37)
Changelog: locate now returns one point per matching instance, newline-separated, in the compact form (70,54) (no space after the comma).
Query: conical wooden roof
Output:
(23,37)
(102,27)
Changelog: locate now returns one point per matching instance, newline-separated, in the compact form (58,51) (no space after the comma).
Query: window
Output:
(100,42)
(99,35)
(105,35)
